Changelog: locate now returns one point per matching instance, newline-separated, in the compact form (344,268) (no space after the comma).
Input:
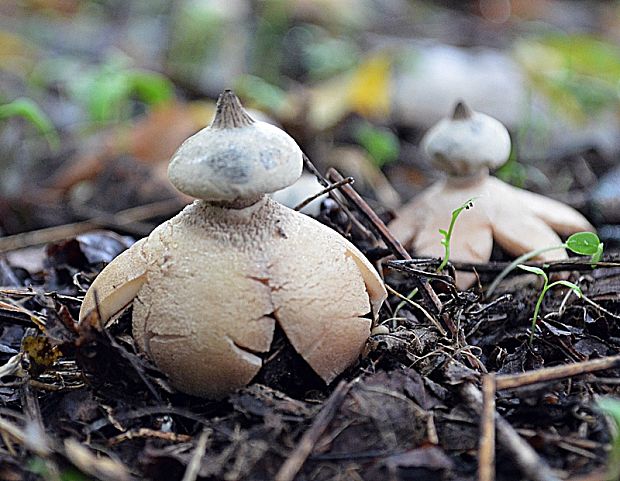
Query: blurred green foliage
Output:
(611,407)
(579,74)
(325,55)
(39,467)
(106,91)
(381,143)
(262,94)
(273,22)
(29,110)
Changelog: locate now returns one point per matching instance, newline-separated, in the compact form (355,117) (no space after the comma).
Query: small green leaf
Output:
(574,287)
(584,243)
(29,110)
(443,232)
(534,270)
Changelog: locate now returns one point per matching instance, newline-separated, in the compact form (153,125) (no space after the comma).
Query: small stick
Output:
(351,195)
(7,428)
(511,381)
(325,183)
(551,438)
(496,267)
(314,171)
(193,467)
(122,220)
(532,466)
(296,460)
(401,266)
(109,220)
(149,433)
(40,447)
(329,188)
(390,241)
(600,308)
(30,404)
(486,451)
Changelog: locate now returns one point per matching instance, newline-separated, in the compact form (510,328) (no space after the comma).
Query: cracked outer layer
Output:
(216,280)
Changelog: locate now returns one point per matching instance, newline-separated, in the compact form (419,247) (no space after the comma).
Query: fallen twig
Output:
(486,451)
(496,267)
(352,196)
(532,466)
(298,456)
(125,354)
(511,381)
(193,467)
(600,308)
(9,430)
(584,444)
(149,433)
(325,183)
(120,220)
(391,242)
(329,188)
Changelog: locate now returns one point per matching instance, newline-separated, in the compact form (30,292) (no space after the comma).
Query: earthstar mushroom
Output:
(465,147)
(209,286)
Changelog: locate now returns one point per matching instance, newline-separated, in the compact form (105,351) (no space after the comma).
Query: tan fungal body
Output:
(210,285)
(465,147)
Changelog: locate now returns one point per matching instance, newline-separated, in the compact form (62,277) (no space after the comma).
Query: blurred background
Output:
(96,95)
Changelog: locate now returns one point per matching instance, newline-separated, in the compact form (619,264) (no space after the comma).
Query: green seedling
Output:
(447,235)
(539,272)
(29,110)
(582,243)
(611,407)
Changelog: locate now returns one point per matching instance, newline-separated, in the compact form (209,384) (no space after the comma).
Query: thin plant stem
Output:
(446,244)
(573,287)
(434,321)
(536,311)
(519,260)
(582,243)
(402,304)
(448,235)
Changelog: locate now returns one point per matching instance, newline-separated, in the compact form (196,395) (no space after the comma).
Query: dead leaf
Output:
(369,89)
(41,352)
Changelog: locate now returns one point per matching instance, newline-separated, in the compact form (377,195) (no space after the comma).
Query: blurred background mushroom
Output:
(464,147)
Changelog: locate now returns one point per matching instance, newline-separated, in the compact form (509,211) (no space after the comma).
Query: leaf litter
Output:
(82,398)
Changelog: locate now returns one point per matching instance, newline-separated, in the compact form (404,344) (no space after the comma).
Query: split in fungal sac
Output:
(209,286)
(464,147)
